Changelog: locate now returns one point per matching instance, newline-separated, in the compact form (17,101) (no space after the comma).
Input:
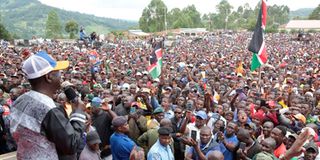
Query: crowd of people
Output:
(60,101)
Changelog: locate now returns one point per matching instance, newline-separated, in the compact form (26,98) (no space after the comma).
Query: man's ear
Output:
(49,78)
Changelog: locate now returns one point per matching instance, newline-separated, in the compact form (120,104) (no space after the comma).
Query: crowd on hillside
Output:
(206,104)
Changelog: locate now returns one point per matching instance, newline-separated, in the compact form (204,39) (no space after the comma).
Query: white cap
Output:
(125,86)
(41,64)
(181,64)
(309,94)
(138,74)
(74,72)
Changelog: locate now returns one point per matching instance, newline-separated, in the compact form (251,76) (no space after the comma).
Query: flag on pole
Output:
(257,44)
(155,62)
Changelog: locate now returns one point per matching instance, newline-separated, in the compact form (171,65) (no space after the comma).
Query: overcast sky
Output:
(132,9)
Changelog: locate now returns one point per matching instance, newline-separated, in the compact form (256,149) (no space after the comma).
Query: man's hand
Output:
(144,96)
(152,91)
(105,107)
(241,154)
(188,115)
(220,136)
(297,147)
(193,143)
(186,140)
(134,116)
(78,105)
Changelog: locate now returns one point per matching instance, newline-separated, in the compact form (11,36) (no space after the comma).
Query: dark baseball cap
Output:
(93,138)
(313,146)
(119,121)
(164,131)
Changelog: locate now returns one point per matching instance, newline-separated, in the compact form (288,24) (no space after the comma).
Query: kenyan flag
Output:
(257,44)
(155,62)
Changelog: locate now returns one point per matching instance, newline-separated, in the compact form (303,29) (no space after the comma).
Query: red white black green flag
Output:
(257,44)
(155,66)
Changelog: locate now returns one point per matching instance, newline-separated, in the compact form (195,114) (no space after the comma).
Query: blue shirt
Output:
(160,152)
(121,146)
(218,147)
(228,155)
(82,35)
(169,114)
(154,102)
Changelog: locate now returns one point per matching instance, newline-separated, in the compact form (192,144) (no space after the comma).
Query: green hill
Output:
(302,13)
(26,18)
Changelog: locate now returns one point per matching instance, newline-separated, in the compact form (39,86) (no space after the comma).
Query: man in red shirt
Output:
(278,133)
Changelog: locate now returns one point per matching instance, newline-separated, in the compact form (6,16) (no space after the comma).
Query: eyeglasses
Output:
(177,112)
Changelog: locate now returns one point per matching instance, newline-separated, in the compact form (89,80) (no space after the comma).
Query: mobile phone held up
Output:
(71,95)
(242,145)
(194,135)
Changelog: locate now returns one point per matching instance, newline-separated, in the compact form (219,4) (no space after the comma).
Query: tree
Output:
(4,34)
(53,26)
(207,21)
(153,17)
(193,16)
(188,17)
(278,15)
(315,13)
(174,18)
(150,21)
(224,9)
(72,28)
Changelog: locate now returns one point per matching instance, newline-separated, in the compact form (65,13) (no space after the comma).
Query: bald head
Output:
(243,132)
(271,142)
(205,129)
(130,98)
(127,100)
(268,145)
(165,123)
(215,155)
(244,136)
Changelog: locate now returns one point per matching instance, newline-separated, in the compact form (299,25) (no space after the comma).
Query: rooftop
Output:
(303,24)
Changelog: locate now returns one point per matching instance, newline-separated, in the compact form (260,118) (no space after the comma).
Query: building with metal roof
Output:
(303,24)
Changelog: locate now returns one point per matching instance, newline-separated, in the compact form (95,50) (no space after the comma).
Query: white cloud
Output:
(132,9)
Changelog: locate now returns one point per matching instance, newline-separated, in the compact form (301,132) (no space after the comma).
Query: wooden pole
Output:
(259,81)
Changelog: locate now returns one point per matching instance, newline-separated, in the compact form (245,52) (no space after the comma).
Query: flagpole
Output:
(259,81)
